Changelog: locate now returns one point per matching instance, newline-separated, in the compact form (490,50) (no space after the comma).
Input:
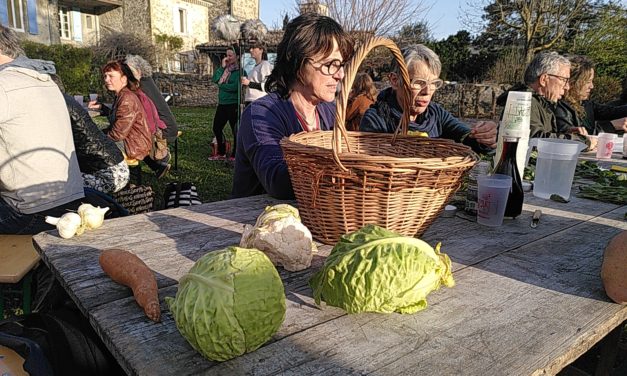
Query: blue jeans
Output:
(15,223)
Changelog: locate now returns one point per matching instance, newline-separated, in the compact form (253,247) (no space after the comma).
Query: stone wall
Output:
(193,90)
(132,17)
(473,101)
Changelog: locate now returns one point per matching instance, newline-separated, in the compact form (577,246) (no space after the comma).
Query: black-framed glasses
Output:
(328,69)
(564,80)
(420,83)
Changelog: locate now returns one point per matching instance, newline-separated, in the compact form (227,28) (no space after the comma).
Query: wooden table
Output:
(527,301)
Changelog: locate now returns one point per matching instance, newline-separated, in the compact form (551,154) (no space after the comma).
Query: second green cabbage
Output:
(377,270)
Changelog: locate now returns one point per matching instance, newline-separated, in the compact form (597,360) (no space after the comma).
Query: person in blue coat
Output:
(426,117)
(301,90)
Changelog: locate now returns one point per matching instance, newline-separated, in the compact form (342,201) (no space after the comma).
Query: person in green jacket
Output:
(228,79)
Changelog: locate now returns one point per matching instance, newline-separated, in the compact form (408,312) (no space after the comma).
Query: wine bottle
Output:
(507,165)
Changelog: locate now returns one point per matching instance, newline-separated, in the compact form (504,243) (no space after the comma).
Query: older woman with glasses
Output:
(301,90)
(426,117)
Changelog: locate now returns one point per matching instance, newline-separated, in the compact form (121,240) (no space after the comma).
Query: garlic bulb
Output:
(84,207)
(68,224)
(92,217)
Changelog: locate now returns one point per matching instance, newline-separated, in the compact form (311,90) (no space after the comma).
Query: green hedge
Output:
(73,65)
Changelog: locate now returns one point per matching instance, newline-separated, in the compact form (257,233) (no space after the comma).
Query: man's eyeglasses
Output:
(564,80)
(328,69)
(419,84)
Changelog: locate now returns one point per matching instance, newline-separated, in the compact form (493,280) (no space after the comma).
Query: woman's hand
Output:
(224,61)
(485,133)
(579,130)
(620,124)
(245,81)
(94,105)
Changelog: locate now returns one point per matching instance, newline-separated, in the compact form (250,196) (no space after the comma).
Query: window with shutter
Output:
(65,26)
(15,14)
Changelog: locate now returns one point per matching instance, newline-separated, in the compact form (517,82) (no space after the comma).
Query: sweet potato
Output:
(129,270)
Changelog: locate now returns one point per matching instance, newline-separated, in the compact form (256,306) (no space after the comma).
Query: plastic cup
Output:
(79,99)
(93,97)
(605,145)
(492,198)
(625,146)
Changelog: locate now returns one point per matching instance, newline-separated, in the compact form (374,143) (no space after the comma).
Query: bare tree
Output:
(535,25)
(369,17)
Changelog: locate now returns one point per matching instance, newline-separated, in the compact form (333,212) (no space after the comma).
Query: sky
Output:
(443,16)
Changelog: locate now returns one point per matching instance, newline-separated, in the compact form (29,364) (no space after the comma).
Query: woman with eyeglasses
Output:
(575,113)
(426,117)
(301,93)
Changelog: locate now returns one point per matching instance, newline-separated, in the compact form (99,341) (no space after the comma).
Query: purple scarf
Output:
(227,72)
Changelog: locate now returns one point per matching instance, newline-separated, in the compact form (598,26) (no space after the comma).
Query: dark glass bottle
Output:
(507,166)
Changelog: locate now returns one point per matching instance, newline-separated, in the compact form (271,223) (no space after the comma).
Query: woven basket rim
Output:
(468,156)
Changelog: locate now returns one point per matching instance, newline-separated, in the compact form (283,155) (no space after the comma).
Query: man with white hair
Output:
(39,172)
(547,76)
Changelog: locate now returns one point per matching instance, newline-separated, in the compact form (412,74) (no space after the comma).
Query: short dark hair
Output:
(235,48)
(305,36)
(125,70)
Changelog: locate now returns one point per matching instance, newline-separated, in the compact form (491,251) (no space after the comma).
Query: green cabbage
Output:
(376,270)
(229,303)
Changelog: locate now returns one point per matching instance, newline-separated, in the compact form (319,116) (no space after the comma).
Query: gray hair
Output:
(544,62)
(139,64)
(9,43)
(419,53)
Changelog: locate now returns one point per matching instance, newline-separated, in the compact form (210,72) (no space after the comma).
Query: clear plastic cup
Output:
(79,99)
(492,198)
(93,97)
(605,145)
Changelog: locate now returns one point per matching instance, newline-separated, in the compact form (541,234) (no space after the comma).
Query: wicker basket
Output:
(344,180)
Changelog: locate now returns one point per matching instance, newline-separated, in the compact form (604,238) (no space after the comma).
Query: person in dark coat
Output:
(143,71)
(576,112)
(619,125)
(427,118)
(101,162)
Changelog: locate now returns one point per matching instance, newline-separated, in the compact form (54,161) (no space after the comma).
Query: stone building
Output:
(56,21)
(85,22)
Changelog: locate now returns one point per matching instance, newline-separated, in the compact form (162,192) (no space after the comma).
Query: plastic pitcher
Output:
(555,167)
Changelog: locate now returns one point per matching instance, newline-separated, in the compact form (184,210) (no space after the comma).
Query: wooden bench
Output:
(17,258)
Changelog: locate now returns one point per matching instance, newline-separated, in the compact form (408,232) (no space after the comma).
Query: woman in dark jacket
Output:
(575,113)
(101,162)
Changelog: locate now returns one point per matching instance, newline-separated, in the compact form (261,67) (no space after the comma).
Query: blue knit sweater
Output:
(259,164)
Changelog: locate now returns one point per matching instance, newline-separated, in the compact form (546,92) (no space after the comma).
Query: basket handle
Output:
(350,72)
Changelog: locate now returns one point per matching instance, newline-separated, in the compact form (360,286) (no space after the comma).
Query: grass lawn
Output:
(213,179)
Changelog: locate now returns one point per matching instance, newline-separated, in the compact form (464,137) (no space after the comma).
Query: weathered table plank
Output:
(326,341)
(517,313)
